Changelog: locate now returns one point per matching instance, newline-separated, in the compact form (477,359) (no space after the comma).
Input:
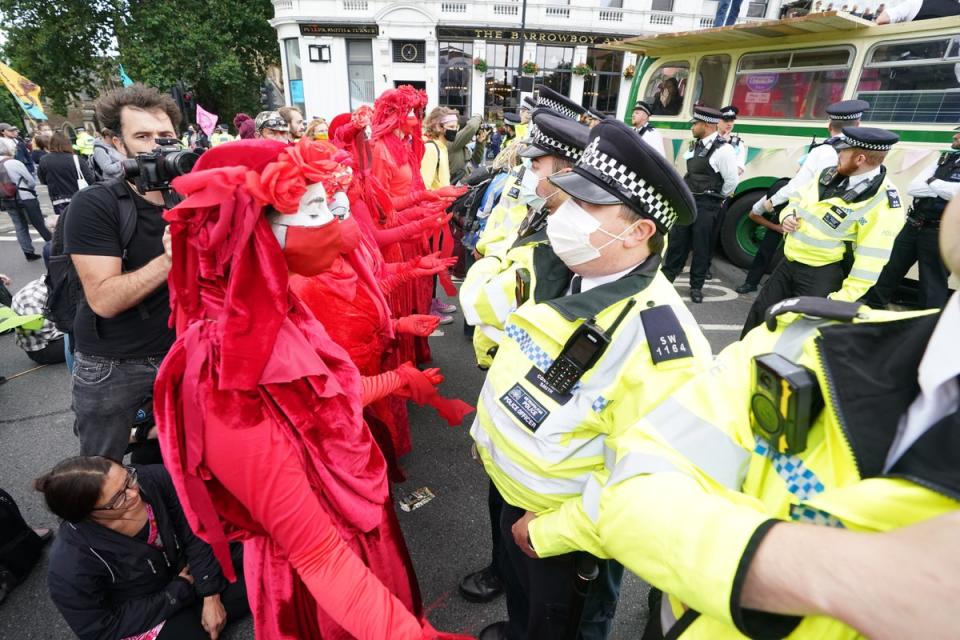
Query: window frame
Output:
(849,48)
(675,63)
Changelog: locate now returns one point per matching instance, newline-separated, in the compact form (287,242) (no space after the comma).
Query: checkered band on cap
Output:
(641,194)
(871,146)
(552,145)
(846,116)
(562,109)
(705,118)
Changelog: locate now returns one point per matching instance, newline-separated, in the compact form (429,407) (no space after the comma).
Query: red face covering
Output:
(312,250)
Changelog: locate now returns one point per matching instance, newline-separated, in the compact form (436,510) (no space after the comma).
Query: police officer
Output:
(509,211)
(497,284)
(728,117)
(641,124)
(712,176)
(830,414)
(220,136)
(853,208)
(593,117)
(487,295)
(820,156)
(932,189)
(581,361)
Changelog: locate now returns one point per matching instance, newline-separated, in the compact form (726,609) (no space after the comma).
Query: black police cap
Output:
(511,118)
(643,106)
(729,112)
(706,114)
(847,109)
(553,135)
(596,115)
(618,167)
(868,138)
(550,99)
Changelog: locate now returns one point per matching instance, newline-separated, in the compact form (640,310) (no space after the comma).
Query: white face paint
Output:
(340,205)
(313,212)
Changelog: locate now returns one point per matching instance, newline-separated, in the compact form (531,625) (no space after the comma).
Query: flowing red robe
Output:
(260,425)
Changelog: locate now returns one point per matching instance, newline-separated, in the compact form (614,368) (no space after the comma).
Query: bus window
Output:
(915,81)
(796,85)
(666,88)
(711,80)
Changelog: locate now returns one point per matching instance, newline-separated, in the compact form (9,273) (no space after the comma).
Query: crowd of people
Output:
(251,333)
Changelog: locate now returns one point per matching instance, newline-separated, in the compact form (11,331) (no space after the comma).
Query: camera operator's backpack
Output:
(64,290)
(8,189)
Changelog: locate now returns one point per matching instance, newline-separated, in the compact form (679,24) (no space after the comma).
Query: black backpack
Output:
(64,290)
(20,547)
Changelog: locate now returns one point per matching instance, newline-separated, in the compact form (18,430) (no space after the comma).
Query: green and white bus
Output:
(783,74)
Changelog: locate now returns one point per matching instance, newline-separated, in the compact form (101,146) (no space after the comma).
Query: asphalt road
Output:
(448,537)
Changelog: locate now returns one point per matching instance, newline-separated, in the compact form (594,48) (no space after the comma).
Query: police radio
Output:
(786,400)
(523,285)
(581,351)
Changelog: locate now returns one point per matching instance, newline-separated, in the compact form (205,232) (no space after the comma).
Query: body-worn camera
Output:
(155,170)
(786,401)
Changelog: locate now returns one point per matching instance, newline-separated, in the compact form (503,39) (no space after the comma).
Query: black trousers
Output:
(697,238)
(185,624)
(765,254)
(541,593)
(791,279)
(913,244)
(53,353)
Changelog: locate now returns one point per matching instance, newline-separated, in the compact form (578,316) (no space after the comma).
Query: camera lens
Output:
(131,169)
(180,163)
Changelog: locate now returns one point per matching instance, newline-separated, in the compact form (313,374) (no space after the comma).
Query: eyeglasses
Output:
(120,498)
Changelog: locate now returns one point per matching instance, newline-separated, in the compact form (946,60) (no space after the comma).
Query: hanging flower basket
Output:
(583,70)
(480,65)
(630,71)
(530,68)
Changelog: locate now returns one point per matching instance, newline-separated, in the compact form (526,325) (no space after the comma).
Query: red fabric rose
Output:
(281,184)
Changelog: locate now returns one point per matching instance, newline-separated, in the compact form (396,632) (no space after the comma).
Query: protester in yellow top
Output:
(831,415)
(85,138)
(439,128)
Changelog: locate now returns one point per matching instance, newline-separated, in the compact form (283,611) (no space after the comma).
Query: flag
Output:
(206,120)
(27,93)
(124,78)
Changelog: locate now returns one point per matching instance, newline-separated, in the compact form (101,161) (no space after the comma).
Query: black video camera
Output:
(155,170)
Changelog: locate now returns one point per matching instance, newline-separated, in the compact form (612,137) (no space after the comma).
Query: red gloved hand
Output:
(415,214)
(451,192)
(419,386)
(417,324)
(430,265)
(430,224)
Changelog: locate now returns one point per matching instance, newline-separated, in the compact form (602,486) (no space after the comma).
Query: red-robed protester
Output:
(259,411)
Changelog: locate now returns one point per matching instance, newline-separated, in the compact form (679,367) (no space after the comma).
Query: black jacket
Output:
(59,173)
(109,586)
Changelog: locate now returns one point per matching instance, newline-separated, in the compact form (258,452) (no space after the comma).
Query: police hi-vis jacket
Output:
(541,447)
(689,492)
(870,222)
(497,234)
(489,292)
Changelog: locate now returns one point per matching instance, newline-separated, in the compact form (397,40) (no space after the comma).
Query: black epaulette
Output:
(666,338)
(813,306)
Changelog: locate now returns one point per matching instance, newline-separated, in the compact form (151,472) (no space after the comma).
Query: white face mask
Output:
(569,229)
(528,190)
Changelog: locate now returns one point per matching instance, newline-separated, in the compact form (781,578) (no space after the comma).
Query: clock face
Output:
(408,52)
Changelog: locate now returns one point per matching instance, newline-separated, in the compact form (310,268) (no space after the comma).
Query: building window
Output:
(711,81)
(662,5)
(456,72)
(556,65)
(667,87)
(912,82)
(500,89)
(757,9)
(291,47)
(601,88)
(360,72)
(796,85)
(611,4)
(409,51)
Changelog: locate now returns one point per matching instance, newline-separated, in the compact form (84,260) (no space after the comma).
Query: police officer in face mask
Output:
(605,339)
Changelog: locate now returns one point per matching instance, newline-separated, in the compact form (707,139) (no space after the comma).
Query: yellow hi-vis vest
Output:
(689,491)
(502,223)
(539,446)
(219,138)
(871,225)
(489,292)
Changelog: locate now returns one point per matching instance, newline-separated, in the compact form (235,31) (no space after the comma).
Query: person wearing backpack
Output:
(118,243)
(18,197)
(21,546)
(107,161)
(63,172)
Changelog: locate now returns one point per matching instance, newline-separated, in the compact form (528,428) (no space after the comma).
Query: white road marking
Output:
(721,327)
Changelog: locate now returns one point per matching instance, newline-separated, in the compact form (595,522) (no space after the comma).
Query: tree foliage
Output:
(218,48)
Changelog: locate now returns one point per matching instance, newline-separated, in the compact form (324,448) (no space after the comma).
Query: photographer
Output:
(120,331)
(460,154)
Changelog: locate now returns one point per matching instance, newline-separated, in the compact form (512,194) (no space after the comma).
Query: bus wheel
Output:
(740,236)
